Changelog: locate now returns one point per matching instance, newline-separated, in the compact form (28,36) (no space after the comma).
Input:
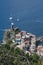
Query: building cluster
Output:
(26,41)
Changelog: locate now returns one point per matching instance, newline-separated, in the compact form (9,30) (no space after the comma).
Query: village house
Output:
(40,50)
(18,38)
(33,43)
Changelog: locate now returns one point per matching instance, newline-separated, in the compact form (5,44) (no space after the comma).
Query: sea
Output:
(26,14)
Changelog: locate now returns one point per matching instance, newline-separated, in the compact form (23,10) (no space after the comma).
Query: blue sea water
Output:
(29,13)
